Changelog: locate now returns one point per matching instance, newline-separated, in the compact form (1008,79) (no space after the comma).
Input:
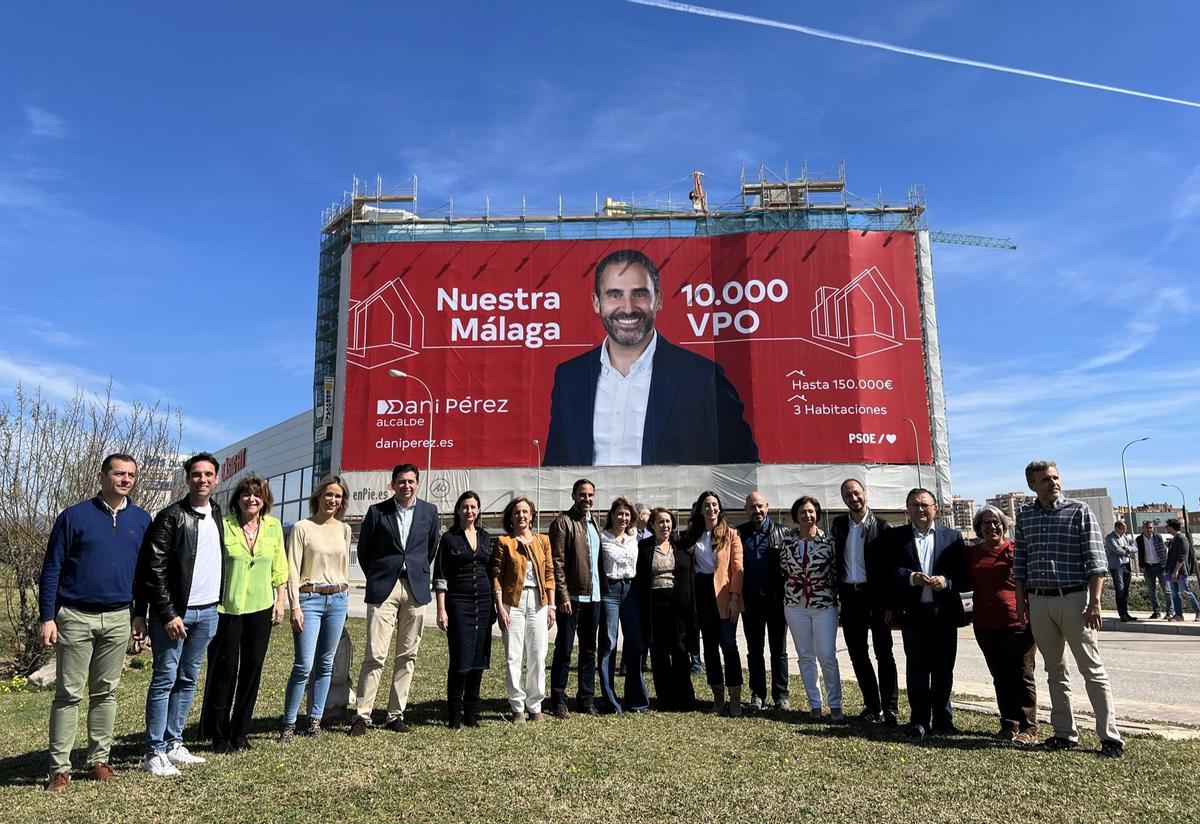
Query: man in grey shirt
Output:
(1119,547)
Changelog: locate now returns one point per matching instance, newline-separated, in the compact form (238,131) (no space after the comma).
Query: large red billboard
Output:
(775,347)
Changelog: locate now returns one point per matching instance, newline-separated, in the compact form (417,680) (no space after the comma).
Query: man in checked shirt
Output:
(1058,567)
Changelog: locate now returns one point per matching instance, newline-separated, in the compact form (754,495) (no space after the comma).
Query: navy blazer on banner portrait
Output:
(381,556)
(693,416)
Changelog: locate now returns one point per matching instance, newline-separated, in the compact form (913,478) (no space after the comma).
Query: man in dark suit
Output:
(926,564)
(396,548)
(864,603)
(637,398)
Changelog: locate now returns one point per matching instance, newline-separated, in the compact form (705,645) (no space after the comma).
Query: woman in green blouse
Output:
(252,601)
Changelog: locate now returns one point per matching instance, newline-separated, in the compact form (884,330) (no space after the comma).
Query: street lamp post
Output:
(917,449)
(1128,508)
(399,373)
(538,498)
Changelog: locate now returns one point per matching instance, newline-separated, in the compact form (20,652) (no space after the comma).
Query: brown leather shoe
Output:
(535,717)
(101,771)
(58,781)
(560,712)
(358,726)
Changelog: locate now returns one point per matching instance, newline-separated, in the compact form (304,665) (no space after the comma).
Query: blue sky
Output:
(163,172)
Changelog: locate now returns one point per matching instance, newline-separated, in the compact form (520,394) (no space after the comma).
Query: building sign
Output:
(234,464)
(774,347)
(327,404)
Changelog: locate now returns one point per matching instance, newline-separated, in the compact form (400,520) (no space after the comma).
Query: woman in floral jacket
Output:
(810,605)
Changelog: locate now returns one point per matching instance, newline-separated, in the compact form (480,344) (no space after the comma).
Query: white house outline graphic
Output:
(857,334)
(406,328)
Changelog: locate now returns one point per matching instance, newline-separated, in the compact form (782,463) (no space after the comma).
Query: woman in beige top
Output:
(318,568)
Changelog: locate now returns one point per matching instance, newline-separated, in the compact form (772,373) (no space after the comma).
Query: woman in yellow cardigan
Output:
(252,602)
(523,581)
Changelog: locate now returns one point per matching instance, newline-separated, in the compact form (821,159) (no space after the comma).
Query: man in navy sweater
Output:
(85,596)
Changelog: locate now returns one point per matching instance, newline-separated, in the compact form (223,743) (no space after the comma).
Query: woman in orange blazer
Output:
(717,563)
(523,583)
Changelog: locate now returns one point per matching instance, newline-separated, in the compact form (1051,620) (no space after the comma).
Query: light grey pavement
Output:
(1153,668)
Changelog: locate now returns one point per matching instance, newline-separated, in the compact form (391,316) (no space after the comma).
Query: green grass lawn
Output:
(655,766)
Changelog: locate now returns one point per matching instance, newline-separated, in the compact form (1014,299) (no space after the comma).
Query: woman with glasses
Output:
(1006,642)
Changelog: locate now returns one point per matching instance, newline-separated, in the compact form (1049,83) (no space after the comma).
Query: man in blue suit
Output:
(396,547)
(637,398)
(927,565)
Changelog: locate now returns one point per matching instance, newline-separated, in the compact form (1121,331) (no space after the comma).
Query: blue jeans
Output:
(1154,575)
(1178,589)
(324,617)
(173,684)
(620,605)
(1121,576)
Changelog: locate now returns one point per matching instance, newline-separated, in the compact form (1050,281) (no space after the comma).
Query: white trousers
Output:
(526,635)
(814,632)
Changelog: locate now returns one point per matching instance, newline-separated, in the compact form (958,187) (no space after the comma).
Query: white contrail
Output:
(875,44)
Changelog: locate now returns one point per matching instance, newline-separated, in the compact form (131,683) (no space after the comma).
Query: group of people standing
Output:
(1165,563)
(200,582)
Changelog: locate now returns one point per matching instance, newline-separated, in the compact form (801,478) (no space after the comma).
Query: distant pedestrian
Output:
(1179,566)
(1152,553)
(1119,548)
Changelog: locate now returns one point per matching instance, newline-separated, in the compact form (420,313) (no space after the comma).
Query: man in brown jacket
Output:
(578,585)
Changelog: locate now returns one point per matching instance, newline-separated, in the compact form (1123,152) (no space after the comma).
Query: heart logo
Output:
(890,438)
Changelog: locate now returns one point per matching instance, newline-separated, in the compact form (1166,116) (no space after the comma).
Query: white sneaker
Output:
(157,764)
(179,754)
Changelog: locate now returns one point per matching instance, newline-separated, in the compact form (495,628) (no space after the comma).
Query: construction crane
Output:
(938,236)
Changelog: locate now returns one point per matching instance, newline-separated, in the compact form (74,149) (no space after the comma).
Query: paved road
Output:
(1155,676)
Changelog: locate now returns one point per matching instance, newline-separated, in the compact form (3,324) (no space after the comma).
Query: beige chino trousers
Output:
(401,615)
(1057,622)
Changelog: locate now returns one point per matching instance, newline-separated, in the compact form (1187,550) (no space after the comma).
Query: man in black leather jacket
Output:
(179,583)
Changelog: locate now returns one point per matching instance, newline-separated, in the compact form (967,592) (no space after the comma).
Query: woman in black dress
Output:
(664,585)
(465,609)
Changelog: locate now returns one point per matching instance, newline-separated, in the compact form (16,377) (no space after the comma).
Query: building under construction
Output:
(865,421)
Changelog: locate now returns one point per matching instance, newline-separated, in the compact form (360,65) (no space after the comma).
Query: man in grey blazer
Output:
(396,548)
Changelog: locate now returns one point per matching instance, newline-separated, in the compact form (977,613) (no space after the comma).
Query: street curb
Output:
(1115,624)
(1129,727)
